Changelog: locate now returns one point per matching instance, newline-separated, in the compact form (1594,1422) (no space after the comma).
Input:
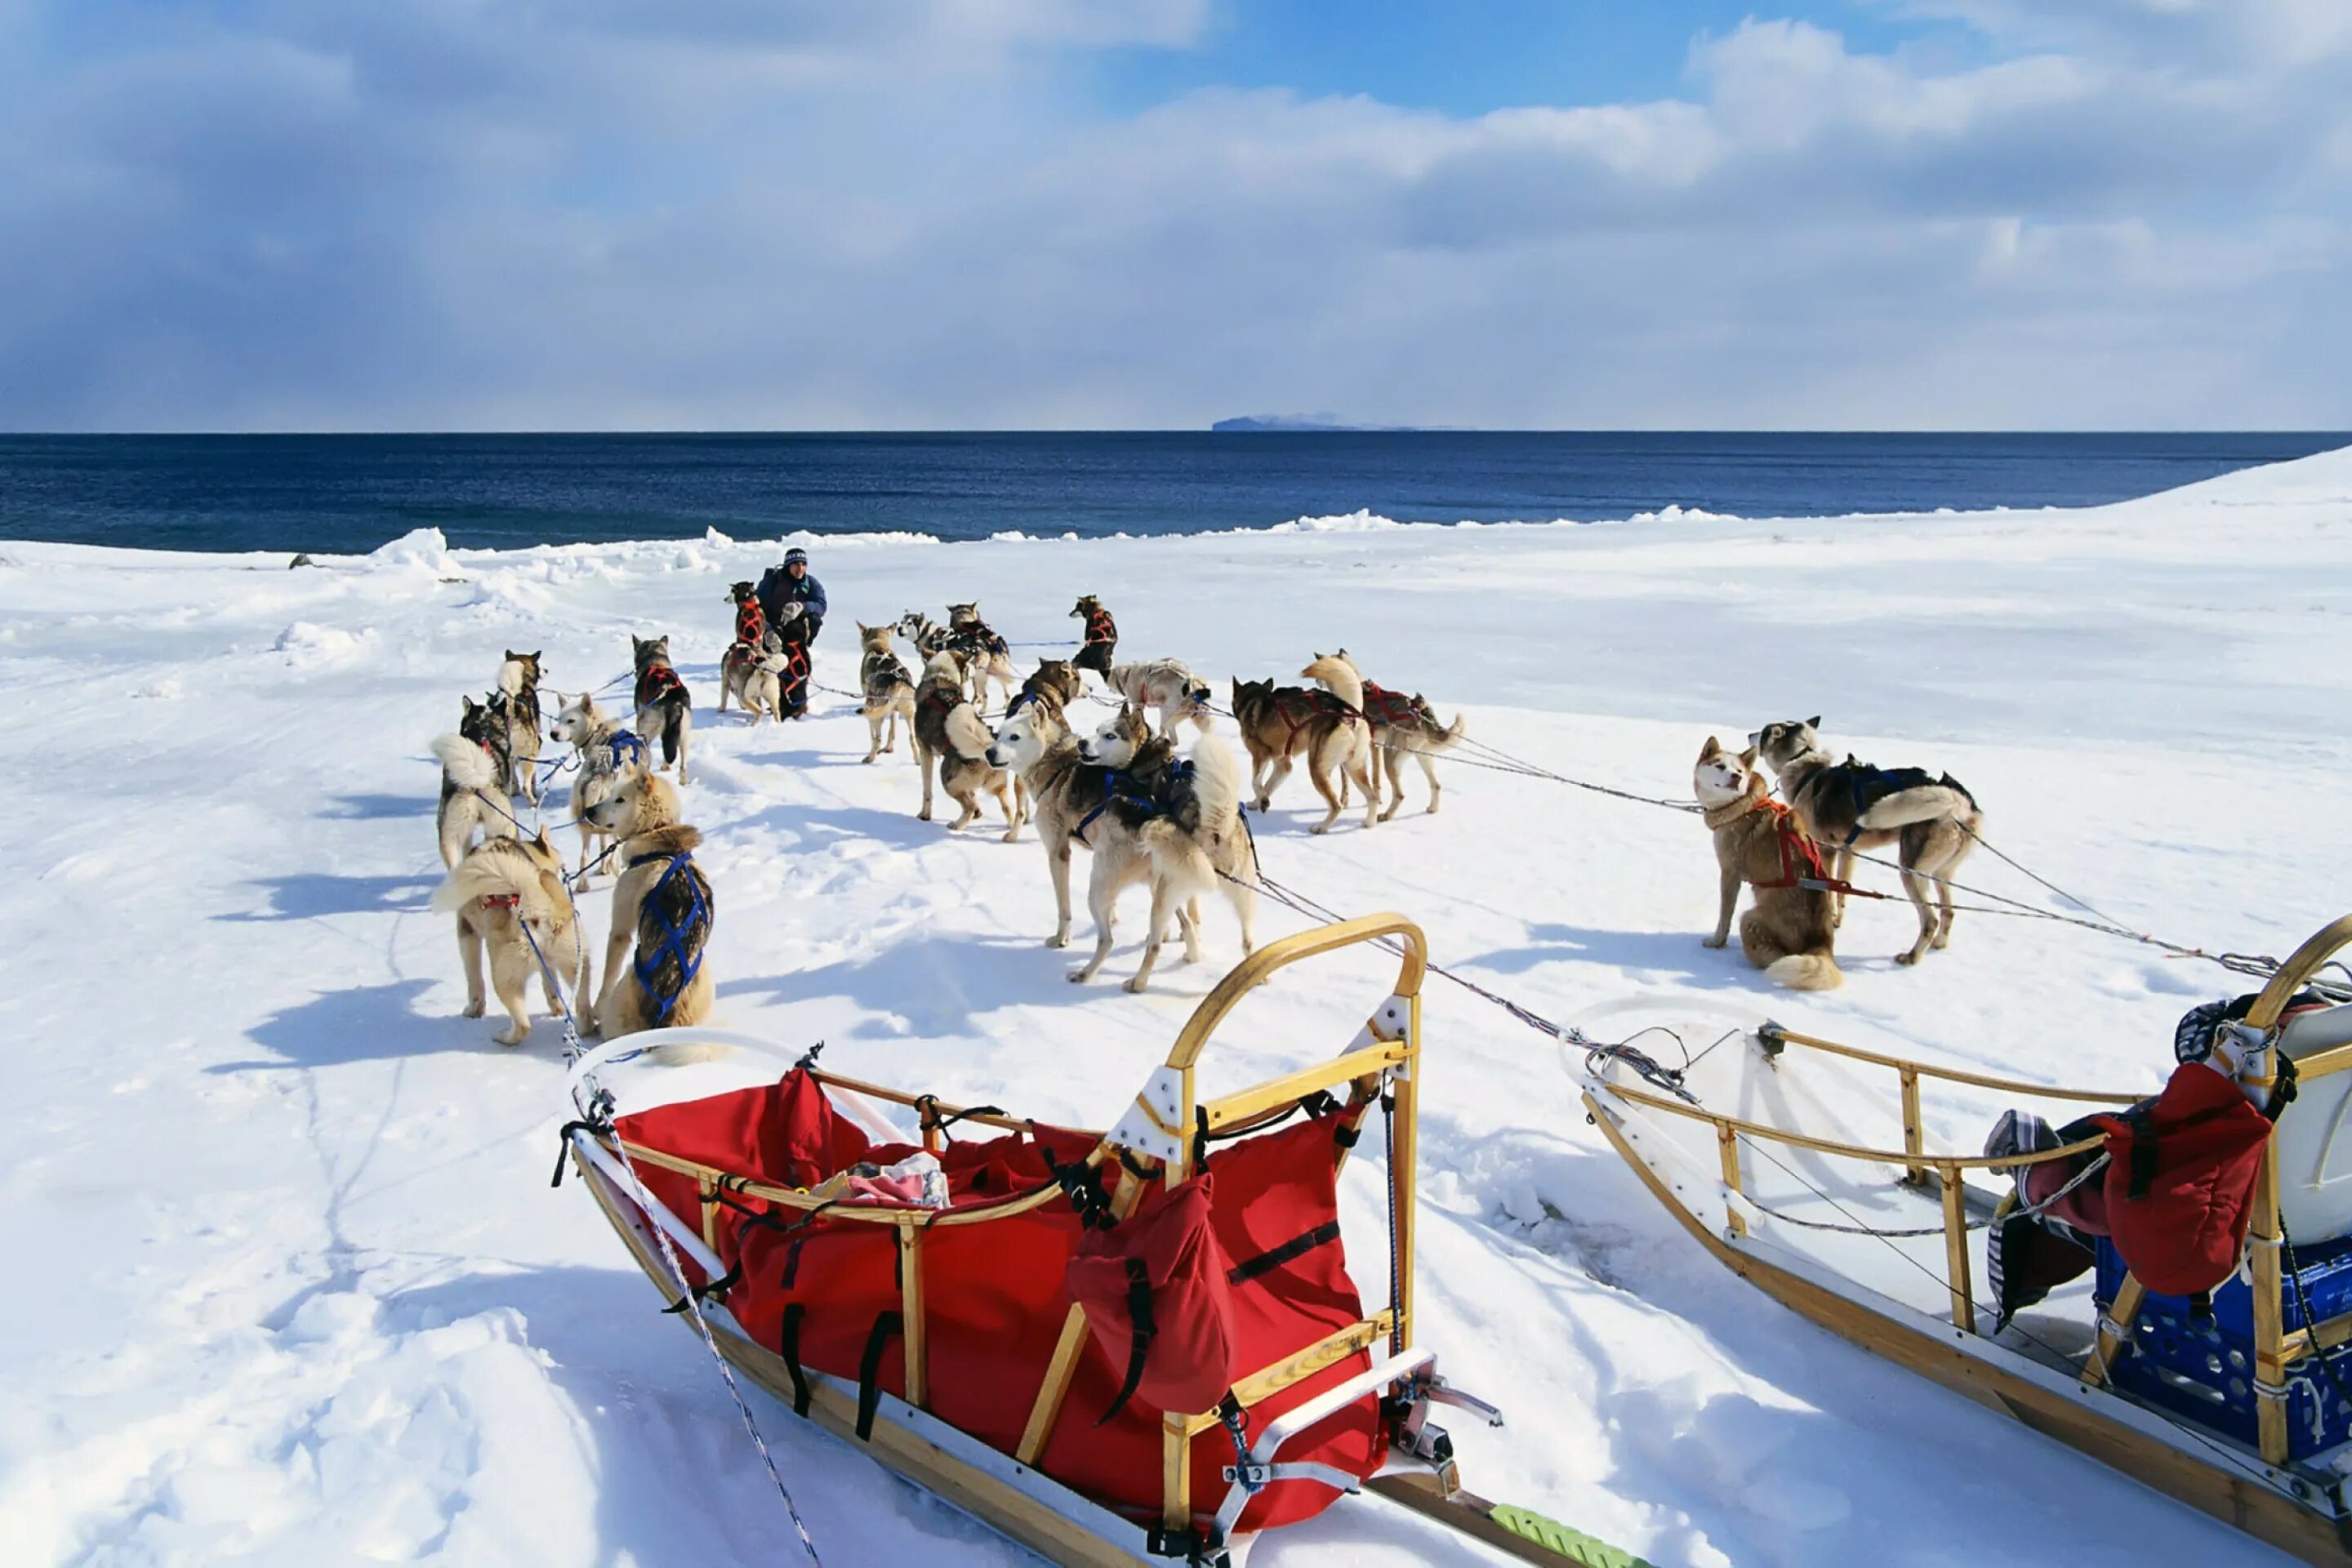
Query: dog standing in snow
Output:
(1850,805)
(1100,647)
(508,894)
(887,694)
(519,679)
(1789,933)
(1166,687)
(1403,727)
(949,731)
(665,707)
(474,773)
(663,905)
(1175,825)
(608,751)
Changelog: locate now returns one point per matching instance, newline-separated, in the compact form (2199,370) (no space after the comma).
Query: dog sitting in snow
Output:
(519,679)
(1789,933)
(1850,805)
(665,707)
(508,894)
(474,772)
(663,905)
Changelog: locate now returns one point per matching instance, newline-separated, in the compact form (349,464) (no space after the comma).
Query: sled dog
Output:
(502,886)
(1102,637)
(949,731)
(1403,726)
(1163,686)
(752,669)
(519,679)
(665,707)
(608,750)
(1278,722)
(1788,933)
(1175,825)
(663,904)
(986,657)
(473,779)
(1054,682)
(1850,805)
(889,693)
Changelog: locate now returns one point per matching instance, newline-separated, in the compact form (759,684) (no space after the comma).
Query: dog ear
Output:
(1713,748)
(1814,722)
(534,655)
(1747,758)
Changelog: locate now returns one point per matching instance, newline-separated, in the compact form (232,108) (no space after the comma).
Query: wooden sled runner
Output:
(949,1333)
(1781,1156)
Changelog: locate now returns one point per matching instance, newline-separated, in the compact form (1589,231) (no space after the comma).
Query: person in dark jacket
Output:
(792,585)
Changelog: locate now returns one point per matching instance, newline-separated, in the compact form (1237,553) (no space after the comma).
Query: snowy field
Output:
(295,1290)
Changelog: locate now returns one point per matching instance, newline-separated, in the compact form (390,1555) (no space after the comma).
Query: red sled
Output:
(1142,1345)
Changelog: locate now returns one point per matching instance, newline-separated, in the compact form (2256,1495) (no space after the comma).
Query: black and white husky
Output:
(665,707)
(475,773)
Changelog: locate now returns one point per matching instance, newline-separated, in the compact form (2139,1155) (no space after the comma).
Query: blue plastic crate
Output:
(2206,1375)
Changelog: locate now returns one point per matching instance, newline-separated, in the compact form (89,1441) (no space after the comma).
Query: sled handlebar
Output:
(2303,963)
(1408,942)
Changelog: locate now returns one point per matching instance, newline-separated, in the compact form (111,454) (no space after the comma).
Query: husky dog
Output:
(1850,805)
(1166,686)
(888,692)
(1789,933)
(927,635)
(947,728)
(662,902)
(1403,727)
(748,670)
(1055,682)
(608,751)
(986,657)
(519,679)
(474,776)
(1177,825)
(509,895)
(1278,721)
(1101,640)
(665,707)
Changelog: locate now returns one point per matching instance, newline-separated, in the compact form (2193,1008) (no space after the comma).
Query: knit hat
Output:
(795,554)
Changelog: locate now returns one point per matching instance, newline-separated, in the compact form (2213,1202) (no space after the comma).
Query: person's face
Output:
(797,569)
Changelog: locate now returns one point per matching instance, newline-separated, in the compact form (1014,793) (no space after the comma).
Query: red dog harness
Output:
(658,682)
(1389,710)
(501,900)
(751,623)
(1801,857)
(1099,628)
(1297,708)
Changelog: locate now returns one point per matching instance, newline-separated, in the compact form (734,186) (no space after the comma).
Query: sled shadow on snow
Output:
(1656,955)
(310,894)
(377,1023)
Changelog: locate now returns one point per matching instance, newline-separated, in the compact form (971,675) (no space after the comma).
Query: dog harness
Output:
(1389,710)
(672,946)
(974,636)
(621,741)
(1801,857)
(945,700)
(1120,785)
(658,681)
(501,900)
(1297,706)
(750,624)
(1100,629)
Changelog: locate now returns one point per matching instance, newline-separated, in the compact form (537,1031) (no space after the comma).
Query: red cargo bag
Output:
(2180,1181)
(1157,1303)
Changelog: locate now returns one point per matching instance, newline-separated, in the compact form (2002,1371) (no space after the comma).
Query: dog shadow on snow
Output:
(965,976)
(374,1022)
(1656,953)
(647,1399)
(310,894)
(377,807)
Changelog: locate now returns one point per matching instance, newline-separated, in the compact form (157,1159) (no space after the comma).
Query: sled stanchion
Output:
(1727,1143)
(1046,1409)
(1955,1246)
(1914,1139)
(910,1307)
(2114,1325)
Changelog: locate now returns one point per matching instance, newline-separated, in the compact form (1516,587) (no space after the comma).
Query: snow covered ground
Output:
(294,1288)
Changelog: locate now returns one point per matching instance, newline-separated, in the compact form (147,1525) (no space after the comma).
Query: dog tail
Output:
(1453,736)
(1927,803)
(1340,677)
(1193,858)
(502,875)
(465,764)
(1806,972)
(511,678)
(686,1052)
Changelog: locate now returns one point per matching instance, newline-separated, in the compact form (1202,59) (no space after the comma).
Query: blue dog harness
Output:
(648,966)
(1119,786)
(626,740)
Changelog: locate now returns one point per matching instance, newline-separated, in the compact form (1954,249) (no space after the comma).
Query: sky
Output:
(611,215)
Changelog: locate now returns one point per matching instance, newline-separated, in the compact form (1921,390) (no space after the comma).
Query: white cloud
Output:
(907,215)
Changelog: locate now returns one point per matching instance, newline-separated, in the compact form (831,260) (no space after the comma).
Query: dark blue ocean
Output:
(350,493)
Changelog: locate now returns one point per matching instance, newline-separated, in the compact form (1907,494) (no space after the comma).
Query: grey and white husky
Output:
(886,693)
(474,775)
(609,752)
(1401,726)
(1165,687)
(949,731)
(518,678)
(1850,805)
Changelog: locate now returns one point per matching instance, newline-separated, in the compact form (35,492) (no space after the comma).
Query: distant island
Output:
(1263,424)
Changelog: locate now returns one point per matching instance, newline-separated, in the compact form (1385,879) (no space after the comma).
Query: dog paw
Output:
(1906,958)
(1077,977)
(473,1010)
(1135,986)
(1715,942)
(1057,942)
(510,1038)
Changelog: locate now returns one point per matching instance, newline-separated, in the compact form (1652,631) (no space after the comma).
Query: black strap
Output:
(1141,1332)
(1273,1258)
(788,1345)
(870,1373)
(927,1112)
(1083,1183)
(2143,1165)
(792,1261)
(564,1144)
(718,1287)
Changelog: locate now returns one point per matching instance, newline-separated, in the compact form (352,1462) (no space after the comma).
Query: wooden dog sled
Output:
(953,1335)
(1784,1162)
